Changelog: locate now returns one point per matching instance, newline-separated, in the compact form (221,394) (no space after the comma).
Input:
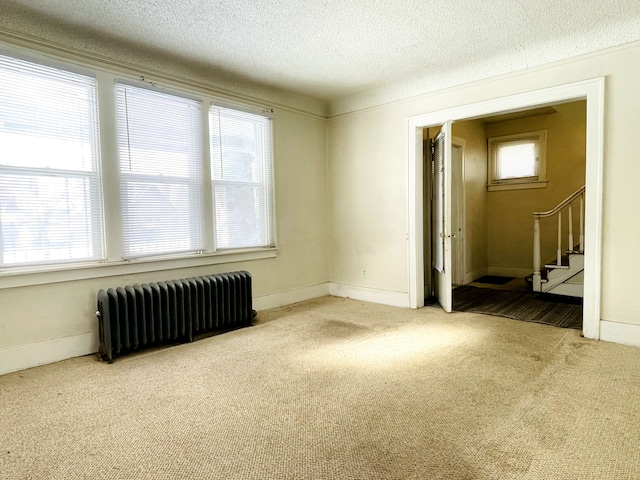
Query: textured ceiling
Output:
(335,48)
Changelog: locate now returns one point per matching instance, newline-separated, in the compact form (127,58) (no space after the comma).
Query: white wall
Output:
(52,321)
(368,178)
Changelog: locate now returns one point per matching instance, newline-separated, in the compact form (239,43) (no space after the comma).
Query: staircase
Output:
(565,274)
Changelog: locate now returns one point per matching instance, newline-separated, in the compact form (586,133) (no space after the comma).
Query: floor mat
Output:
(494,279)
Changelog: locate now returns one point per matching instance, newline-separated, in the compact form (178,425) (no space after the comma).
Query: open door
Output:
(441,216)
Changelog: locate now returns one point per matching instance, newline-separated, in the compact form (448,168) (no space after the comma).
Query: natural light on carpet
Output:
(385,349)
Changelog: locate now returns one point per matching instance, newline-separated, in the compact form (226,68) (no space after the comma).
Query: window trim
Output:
(41,275)
(539,180)
(112,263)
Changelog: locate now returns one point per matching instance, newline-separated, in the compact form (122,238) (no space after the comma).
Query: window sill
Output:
(494,187)
(23,277)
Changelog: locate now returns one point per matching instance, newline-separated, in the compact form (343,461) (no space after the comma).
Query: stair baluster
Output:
(570,211)
(582,224)
(559,249)
(568,204)
(537,274)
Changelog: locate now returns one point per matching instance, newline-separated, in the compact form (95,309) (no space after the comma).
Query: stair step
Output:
(554,265)
(564,263)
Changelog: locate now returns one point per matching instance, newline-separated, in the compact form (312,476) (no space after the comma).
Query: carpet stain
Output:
(336,329)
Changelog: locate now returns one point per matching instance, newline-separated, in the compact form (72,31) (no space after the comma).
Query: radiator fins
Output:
(135,317)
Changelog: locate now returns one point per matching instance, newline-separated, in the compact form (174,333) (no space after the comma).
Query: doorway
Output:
(592,91)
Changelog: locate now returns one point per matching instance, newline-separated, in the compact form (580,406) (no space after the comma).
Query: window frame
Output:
(112,262)
(538,180)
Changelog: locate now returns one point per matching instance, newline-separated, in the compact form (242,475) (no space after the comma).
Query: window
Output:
(160,157)
(241,178)
(50,205)
(182,177)
(518,161)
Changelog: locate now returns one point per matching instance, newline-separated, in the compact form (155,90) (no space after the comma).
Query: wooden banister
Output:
(557,210)
(561,205)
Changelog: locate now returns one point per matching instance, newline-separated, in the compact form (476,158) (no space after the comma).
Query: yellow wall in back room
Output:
(475,195)
(509,219)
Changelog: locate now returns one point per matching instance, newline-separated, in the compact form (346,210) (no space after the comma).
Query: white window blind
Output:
(50,188)
(241,169)
(160,156)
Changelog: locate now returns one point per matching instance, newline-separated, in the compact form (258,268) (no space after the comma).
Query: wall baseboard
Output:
(296,295)
(42,353)
(509,271)
(624,333)
(373,295)
(471,276)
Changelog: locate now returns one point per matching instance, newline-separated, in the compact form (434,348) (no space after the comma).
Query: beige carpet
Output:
(335,389)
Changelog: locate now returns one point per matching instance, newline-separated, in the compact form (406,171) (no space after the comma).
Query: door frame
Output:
(459,247)
(590,90)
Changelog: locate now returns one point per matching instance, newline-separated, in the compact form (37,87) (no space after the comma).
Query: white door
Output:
(441,218)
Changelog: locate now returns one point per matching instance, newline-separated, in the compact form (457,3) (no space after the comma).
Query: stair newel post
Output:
(571,244)
(559,251)
(537,278)
(582,223)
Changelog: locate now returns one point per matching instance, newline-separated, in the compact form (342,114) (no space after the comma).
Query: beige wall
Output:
(510,224)
(475,193)
(367,200)
(368,176)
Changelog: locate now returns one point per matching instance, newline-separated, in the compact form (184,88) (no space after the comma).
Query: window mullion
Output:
(110,167)
(208,208)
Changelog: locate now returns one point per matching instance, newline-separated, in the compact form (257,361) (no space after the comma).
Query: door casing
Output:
(590,90)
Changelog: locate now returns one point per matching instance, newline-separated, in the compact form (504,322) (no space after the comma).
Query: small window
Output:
(518,161)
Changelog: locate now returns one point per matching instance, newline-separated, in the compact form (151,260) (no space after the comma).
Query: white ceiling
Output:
(334,48)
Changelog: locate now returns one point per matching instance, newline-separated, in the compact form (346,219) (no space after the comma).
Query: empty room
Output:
(235,238)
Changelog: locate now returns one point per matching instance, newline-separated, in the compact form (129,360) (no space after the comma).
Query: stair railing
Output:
(565,205)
